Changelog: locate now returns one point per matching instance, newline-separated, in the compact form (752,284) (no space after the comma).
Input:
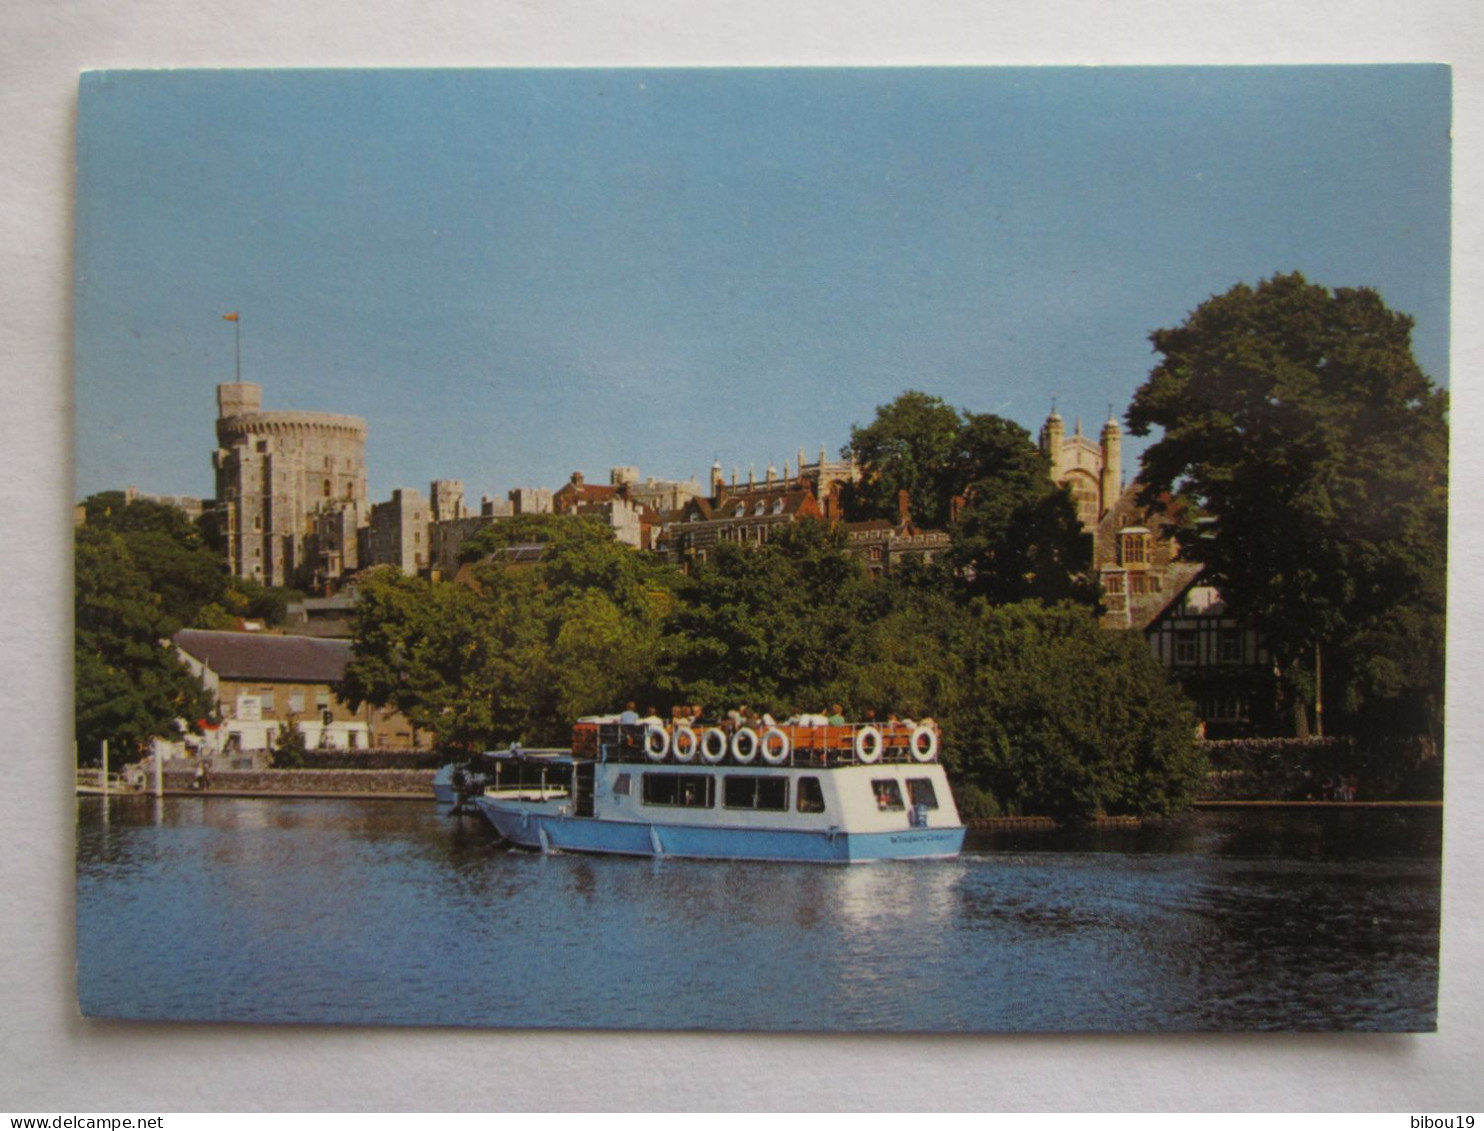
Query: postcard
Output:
(945,549)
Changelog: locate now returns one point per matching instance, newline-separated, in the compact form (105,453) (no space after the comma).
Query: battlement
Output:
(291,423)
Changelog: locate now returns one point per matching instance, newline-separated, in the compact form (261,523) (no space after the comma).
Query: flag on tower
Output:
(230,317)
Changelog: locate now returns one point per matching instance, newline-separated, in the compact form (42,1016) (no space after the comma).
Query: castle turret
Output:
(1111,480)
(238,398)
(1053,432)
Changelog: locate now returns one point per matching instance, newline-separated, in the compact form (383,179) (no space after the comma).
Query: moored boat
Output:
(836,794)
(444,791)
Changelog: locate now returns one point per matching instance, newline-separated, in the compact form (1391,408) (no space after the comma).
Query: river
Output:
(383,912)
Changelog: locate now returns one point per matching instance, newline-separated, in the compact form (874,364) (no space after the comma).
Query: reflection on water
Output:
(344,911)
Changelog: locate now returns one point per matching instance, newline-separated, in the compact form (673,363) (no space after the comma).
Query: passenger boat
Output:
(454,783)
(835,794)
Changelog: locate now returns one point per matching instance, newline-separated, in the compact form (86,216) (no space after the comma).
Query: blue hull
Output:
(555,832)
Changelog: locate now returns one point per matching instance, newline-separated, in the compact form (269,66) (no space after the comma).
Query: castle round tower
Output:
(275,471)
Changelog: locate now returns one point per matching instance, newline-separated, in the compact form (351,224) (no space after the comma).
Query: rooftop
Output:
(253,655)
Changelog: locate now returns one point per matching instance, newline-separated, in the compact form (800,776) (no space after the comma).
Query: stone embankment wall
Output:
(1323,769)
(374,759)
(387,782)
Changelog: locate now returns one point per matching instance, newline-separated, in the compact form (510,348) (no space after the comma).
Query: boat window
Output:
(688,791)
(755,792)
(621,785)
(922,792)
(811,797)
(888,793)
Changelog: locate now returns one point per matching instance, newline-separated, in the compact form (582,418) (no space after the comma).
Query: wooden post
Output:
(159,775)
(105,769)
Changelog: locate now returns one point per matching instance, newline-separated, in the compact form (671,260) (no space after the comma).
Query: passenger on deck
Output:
(630,716)
(652,718)
(837,715)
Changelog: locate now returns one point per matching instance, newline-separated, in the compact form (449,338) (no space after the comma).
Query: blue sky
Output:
(512,275)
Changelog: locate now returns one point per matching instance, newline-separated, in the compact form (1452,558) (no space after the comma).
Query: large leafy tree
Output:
(912,445)
(1298,420)
(522,648)
(1015,532)
(1058,717)
(769,626)
(130,685)
(1018,537)
(181,565)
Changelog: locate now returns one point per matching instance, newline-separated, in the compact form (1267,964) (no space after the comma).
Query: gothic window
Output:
(1113,583)
(328,488)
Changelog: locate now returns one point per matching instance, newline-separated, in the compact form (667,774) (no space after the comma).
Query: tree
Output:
(520,650)
(912,446)
(130,685)
(767,626)
(182,567)
(1018,537)
(1015,532)
(1299,423)
(1058,717)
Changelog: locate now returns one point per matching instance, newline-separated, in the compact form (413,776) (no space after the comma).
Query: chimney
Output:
(904,508)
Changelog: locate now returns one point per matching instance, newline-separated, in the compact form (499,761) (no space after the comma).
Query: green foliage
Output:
(768,626)
(912,445)
(290,751)
(1017,537)
(1058,717)
(129,683)
(246,599)
(1299,422)
(535,529)
(142,572)
(520,651)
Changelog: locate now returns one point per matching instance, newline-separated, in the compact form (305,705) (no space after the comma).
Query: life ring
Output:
(714,752)
(918,751)
(686,751)
(752,744)
(770,755)
(868,745)
(656,752)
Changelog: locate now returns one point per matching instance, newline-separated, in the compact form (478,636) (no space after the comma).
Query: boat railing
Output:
(760,744)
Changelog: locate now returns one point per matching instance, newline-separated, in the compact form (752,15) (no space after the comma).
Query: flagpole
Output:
(236,319)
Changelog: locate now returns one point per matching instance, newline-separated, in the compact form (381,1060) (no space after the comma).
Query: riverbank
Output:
(417,785)
(372,785)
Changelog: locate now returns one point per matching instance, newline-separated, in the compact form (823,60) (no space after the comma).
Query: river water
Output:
(381,912)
